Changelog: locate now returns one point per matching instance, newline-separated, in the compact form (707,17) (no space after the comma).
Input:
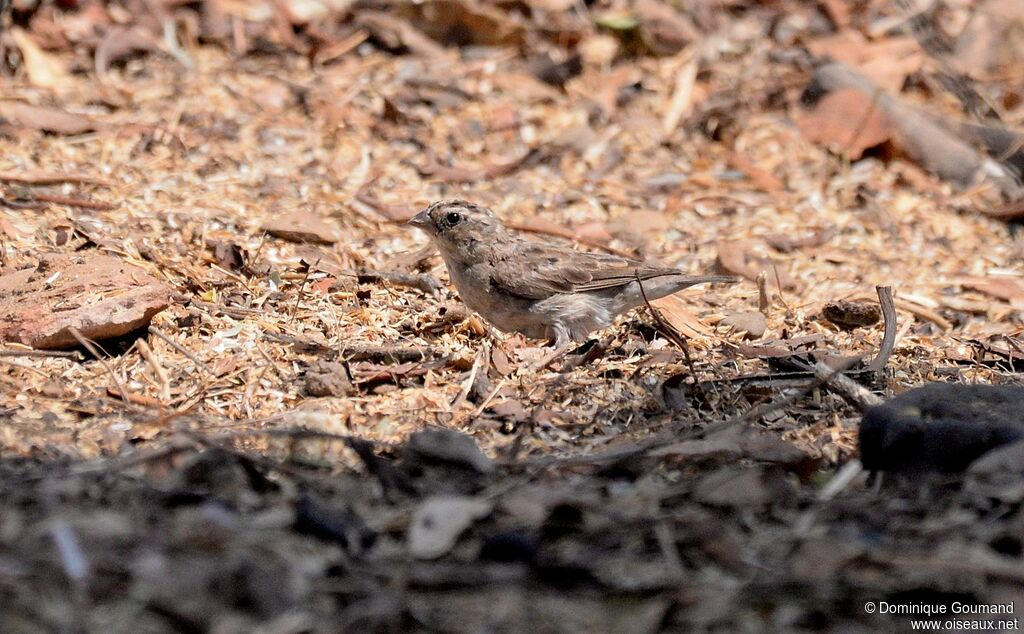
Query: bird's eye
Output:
(453,218)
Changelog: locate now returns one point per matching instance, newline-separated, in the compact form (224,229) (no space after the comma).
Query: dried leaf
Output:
(752,323)
(120,42)
(847,122)
(302,226)
(735,257)
(46,119)
(887,62)
(1010,289)
(44,70)
(664,30)
(676,311)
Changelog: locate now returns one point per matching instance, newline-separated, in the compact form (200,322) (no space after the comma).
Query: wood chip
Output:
(302,226)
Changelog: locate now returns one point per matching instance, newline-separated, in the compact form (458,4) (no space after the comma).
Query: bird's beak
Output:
(421,220)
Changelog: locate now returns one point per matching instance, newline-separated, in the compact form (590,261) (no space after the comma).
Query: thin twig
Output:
(126,396)
(138,399)
(482,357)
(174,344)
(237,312)
(71,201)
(849,389)
(888,305)
(158,370)
(672,334)
(302,287)
(52,179)
(385,353)
(422,282)
(763,303)
(74,355)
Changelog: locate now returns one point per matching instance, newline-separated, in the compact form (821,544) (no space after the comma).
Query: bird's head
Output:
(456,222)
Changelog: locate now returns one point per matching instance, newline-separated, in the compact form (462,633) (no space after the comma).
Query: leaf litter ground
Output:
(267,453)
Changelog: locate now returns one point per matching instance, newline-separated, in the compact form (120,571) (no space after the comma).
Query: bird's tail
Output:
(663,285)
(689,280)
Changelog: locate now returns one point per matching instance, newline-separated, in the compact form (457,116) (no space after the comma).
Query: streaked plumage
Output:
(540,290)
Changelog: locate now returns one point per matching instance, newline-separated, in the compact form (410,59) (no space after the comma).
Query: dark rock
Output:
(940,427)
(447,446)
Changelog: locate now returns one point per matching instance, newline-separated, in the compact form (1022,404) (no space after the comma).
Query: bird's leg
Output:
(561,346)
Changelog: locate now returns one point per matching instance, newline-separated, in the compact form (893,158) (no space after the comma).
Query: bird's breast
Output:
(506,312)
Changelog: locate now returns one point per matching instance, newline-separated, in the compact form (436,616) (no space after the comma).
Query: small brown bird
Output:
(540,290)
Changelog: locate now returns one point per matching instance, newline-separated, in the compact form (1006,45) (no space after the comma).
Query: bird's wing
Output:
(538,271)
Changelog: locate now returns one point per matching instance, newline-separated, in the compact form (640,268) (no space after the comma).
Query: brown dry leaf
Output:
(752,323)
(787,243)
(500,362)
(101,296)
(511,409)
(664,30)
(366,372)
(8,229)
(461,174)
(676,311)
(738,442)
(847,122)
(46,119)
(467,22)
(551,6)
(730,486)
(304,11)
(120,42)
(887,63)
(524,88)
(942,145)
(640,228)
(447,446)
(44,70)
(992,42)
(271,94)
(394,213)
(604,87)
(821,559)
(598,49)
(302,226)
(779,348)
(1010,289)
(228,255)
(838,12)
(594,232)
(681,104)
(736,257)
(395,32)
(764,180)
